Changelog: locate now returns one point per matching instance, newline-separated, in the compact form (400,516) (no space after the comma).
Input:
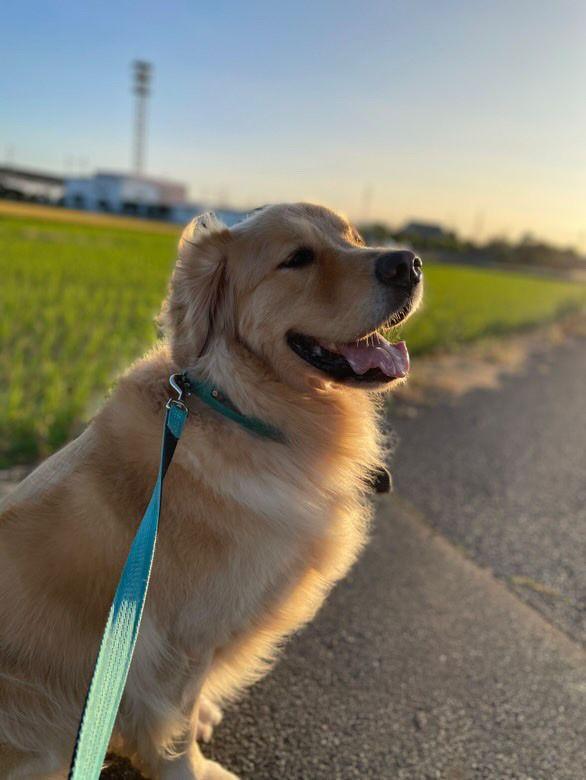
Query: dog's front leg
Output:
(150,727)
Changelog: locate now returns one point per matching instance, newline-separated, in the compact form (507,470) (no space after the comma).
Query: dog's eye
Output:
(299,258)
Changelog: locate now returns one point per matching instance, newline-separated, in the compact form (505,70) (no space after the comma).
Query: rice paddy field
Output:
(79,293)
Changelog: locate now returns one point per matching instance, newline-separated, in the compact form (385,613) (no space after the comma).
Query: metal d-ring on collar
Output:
(185,385)
(175,380)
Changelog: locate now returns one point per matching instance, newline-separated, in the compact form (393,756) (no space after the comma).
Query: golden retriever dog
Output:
(282,314)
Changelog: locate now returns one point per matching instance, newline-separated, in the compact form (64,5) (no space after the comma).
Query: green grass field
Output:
(77,303)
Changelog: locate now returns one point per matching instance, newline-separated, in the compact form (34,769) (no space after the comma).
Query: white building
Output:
(125,194)
(141,196)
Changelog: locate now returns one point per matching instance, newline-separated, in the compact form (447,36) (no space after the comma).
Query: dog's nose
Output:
(400,268)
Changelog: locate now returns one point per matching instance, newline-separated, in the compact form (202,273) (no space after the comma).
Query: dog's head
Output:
(296,287)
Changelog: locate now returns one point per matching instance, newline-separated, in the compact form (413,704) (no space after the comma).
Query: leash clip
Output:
(177,382)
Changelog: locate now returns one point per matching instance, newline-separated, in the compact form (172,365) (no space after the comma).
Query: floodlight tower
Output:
(141,86)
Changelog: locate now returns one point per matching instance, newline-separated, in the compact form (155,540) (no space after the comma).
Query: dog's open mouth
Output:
(370,359)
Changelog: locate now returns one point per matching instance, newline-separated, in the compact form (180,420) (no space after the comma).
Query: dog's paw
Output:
(213,771)
(208,716)
(200,768)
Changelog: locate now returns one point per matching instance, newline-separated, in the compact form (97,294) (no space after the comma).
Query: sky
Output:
(468,113)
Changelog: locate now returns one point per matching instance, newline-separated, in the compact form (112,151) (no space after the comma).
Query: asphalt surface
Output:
(503,475)
(453,650)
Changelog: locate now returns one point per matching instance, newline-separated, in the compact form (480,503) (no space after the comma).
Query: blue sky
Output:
(466,112)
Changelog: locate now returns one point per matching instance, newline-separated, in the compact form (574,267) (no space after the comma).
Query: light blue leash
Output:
(119,638)
(120,634)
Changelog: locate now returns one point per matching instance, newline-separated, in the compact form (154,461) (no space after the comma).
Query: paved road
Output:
(426,663)
(503,475)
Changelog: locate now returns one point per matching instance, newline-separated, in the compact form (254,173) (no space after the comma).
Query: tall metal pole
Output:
(142,73)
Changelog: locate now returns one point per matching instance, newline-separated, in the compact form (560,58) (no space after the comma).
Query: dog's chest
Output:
(277,491)
(281,523)
(260,567)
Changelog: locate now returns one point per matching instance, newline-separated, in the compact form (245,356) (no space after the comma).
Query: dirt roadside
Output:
(482,364)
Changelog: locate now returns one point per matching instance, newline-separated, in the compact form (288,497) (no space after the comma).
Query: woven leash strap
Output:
(119,638)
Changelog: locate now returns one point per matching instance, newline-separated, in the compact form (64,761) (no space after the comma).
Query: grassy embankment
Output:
(78,295)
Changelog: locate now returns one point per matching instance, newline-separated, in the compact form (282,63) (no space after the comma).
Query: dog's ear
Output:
(195,309)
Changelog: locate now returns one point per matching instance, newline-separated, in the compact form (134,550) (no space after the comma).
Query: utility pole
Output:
(141,86)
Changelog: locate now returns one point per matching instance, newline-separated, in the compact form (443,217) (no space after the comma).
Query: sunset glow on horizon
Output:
(471,115)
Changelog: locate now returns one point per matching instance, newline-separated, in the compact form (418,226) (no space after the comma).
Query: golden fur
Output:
(253,533)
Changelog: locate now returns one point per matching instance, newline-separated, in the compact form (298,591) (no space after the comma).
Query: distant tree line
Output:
(447,244)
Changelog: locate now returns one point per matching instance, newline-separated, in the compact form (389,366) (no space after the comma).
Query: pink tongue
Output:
(377,352)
